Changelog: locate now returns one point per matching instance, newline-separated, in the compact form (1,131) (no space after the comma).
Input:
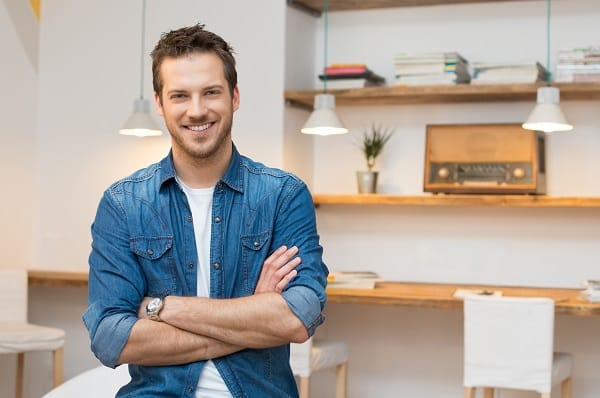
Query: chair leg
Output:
(341,372)
(488,392)
(57,367)
(469,392)
(565,388)
(304,387)
(19,387)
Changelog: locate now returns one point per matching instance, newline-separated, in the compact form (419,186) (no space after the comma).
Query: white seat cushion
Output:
(327,354)
(99,382)
(16,337)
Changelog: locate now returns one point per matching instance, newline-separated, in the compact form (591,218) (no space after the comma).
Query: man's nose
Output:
(197,107)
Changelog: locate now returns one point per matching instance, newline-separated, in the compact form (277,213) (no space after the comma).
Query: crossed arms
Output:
(198,328)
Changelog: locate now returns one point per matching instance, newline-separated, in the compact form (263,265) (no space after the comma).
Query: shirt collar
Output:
(233,177)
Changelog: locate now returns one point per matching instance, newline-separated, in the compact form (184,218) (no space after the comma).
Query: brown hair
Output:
(188,40)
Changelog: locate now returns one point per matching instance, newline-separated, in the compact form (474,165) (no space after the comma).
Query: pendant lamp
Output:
(547,115)
(323,120)
(140,122)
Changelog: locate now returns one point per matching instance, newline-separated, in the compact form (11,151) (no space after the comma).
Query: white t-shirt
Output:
(211,384)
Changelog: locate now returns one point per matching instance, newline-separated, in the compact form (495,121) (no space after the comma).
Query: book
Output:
(431,69)
(353,80)
(353,279)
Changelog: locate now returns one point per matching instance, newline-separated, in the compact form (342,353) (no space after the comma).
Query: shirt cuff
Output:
(305,304)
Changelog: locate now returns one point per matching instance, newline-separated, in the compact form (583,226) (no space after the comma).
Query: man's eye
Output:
(212,92)
(177,96)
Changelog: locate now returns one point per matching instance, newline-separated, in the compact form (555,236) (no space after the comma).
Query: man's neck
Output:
(202,173)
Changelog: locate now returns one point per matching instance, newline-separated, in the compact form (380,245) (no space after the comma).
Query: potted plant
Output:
(374,139)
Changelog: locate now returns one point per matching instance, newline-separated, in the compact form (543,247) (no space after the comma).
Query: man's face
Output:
(197,105)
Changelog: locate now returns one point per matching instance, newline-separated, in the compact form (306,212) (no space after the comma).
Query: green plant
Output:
(373,140)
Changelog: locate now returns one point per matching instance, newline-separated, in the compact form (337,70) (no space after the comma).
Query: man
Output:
(206,265)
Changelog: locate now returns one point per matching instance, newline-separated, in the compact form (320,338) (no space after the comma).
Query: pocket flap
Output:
(255,241)
(151,248)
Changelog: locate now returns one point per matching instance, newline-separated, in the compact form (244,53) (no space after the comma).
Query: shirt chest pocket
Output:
(155,256)
(254,252)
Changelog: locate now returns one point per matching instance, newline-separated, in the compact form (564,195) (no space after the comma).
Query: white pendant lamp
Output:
(140,123)
(547,115)
(323,120)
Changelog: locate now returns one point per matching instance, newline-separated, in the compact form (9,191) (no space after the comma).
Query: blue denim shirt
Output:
(143,245)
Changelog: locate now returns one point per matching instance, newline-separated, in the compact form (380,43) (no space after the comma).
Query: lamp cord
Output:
(548,73)
(326,23)
(142,50)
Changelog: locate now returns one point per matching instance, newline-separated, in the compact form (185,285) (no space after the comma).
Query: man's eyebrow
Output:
(214,86)
(175,91)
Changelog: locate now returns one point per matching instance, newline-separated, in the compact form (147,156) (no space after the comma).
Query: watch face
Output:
(154,305)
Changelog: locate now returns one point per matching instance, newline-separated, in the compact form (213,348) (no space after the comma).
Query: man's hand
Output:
(278,270)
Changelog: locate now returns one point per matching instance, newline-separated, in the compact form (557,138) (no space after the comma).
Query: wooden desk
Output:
(428,295)
(38,277)
(433,295)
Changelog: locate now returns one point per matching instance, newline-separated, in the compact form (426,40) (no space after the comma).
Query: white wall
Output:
(417,352)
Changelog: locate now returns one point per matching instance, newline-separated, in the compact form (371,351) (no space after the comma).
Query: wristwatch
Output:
(153,308)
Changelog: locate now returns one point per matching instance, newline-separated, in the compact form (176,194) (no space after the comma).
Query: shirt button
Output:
(190,389)
(256,244)
(150,252)
(188,218)
(191,265)
(216,266)
(217,220)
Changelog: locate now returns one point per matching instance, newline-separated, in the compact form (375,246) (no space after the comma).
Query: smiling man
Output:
(206,265)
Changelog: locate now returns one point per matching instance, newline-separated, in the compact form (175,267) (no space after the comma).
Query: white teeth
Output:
(200,128)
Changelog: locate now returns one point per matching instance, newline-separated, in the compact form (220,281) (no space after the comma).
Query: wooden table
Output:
(407,294)
(434,295)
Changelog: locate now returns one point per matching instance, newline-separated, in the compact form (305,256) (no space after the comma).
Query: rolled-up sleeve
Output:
(305,294)
(305,304)
(115,284)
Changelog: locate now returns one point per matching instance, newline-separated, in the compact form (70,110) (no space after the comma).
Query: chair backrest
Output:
(13,292)
(99,382)
(508,342)
(300,358)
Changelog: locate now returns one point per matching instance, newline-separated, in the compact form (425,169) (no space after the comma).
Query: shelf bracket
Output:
(304,8)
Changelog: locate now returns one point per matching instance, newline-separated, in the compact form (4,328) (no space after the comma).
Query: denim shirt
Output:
(143,245)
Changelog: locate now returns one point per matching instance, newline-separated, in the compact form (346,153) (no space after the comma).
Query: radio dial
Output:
(518,173)
(443,172)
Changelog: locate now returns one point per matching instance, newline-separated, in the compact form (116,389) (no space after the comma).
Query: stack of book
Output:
(353,279)
(578,65)
(592,292)
(350,76)
(498,73)
(430,69)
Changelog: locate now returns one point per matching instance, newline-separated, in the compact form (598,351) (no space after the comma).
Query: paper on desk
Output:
(462,293)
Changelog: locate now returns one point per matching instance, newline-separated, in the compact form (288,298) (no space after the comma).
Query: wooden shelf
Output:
(458,200)
(345,5)
(444,94)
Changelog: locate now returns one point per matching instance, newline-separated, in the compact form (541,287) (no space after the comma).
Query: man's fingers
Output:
(285,280)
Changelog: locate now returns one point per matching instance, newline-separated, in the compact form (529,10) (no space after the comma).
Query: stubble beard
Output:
(196,150)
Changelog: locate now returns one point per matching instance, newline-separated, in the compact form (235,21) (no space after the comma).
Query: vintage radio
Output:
(484,158)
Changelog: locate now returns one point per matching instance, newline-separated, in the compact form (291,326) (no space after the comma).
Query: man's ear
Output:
(158,103)
(236,98)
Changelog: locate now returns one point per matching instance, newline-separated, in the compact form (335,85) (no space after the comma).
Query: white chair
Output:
(99,382)
(508,343)
(314,355)
(17,336)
